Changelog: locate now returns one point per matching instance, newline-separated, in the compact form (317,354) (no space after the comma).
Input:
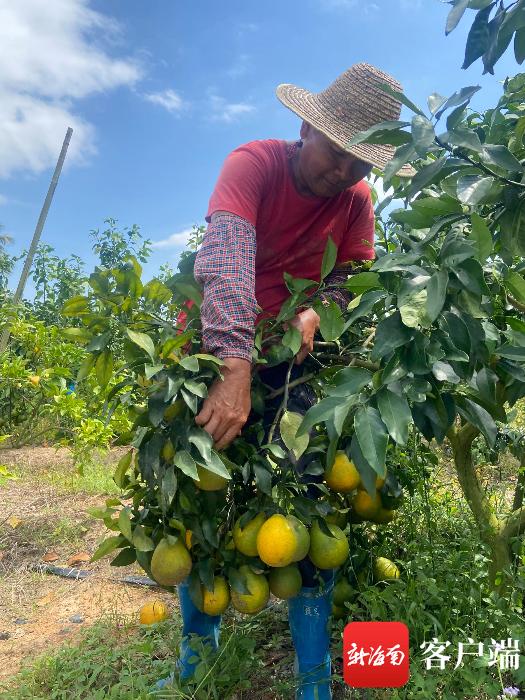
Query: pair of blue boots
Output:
(309,617)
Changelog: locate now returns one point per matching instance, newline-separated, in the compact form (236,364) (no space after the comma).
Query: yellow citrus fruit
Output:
(328,552)
(34,379)
(385,570)
(174,410)
(254,601)
(343,591)
(215,602)
(365,506)
(380,482)
(303,537)
(170,563)
(245,538)
(209,481)
(342,476)
(168,451)
(384,515)
(153,612)
(187,538)
(277,541)
(285,582)
(338,612)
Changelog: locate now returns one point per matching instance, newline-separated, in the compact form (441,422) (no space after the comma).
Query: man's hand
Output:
(227,406)
(306,322)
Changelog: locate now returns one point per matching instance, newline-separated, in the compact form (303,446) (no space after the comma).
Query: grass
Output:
(96,478)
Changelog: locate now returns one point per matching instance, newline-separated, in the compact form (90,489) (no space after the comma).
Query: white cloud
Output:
(3,200)
(228,112)
(169,99)
(51,55)
(241,66)
(176,240)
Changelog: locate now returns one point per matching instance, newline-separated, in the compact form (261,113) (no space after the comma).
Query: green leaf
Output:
(185,462)
(85,368)
(362,282)
(481,236)
(288,426)
(443,372)
(124,523)
(321,412)
(519,45)
(293,339)
(151,370)
(329,258)
(348,381)
(511,353)
(331,322)
(413,310)
(472,189)
(436,294)
(367,473)
(435,101)
(458,98)
(141,541)
(202,440)
(455,15)
(464,138)
(78,335)
(197,388)
(456,116)
(390,334)
(123,465)
(362,136)
(395,413)
(399,96)
(189,291)
(372,436)
(76,306)
(216,465)
(515,283)
(470,274)
(402,155)
(107,546)
(424,176)
(479,36)
(190,362)
(500,156)
(142,340)
(478,417)
(104,368)
(422,134)
(125,557)
(168,487)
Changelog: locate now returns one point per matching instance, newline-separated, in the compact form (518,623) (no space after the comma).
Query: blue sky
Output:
(159,92)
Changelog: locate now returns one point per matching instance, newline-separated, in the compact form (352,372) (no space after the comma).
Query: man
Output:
(273,208)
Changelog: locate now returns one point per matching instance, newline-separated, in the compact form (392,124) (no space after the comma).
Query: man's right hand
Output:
(227,406)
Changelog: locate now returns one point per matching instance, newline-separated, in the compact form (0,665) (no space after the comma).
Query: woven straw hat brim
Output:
(307,105)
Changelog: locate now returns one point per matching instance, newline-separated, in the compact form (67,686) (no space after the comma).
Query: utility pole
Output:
(4,339)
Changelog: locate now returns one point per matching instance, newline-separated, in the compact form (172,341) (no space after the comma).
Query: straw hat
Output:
(352,103)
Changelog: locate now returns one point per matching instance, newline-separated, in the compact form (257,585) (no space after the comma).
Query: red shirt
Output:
(292,230)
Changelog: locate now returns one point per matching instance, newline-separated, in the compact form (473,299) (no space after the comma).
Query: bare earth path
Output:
(51,503)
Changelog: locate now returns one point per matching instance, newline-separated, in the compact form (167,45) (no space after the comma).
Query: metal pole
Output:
(38,231)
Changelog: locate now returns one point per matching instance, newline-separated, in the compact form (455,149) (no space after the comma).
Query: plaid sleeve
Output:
(225,267)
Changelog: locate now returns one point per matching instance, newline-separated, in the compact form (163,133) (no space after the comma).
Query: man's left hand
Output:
(306,322)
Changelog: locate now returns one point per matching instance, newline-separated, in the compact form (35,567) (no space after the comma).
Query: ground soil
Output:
(36,608)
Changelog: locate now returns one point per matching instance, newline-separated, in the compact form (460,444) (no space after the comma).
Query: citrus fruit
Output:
(254,601)
(245,538)
(285,582)
(380,482)
(384,515)
(216,601)
(168,451)
(342,476)
(385,570)
(170,563)
(328,552)
(343,591)
(35,380)
(209,481)
(174,410)
(153,612)
(303,537)
(277,541)
(338,612)
(366,506)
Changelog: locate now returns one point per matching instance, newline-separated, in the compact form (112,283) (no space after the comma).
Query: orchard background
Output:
(420,384)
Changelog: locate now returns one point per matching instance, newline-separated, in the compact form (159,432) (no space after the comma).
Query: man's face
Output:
(326,168)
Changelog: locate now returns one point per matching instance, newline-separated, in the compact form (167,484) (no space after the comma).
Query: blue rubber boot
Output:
(193,623)
(309,616)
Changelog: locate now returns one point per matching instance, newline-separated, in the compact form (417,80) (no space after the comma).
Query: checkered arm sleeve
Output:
(225,267)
